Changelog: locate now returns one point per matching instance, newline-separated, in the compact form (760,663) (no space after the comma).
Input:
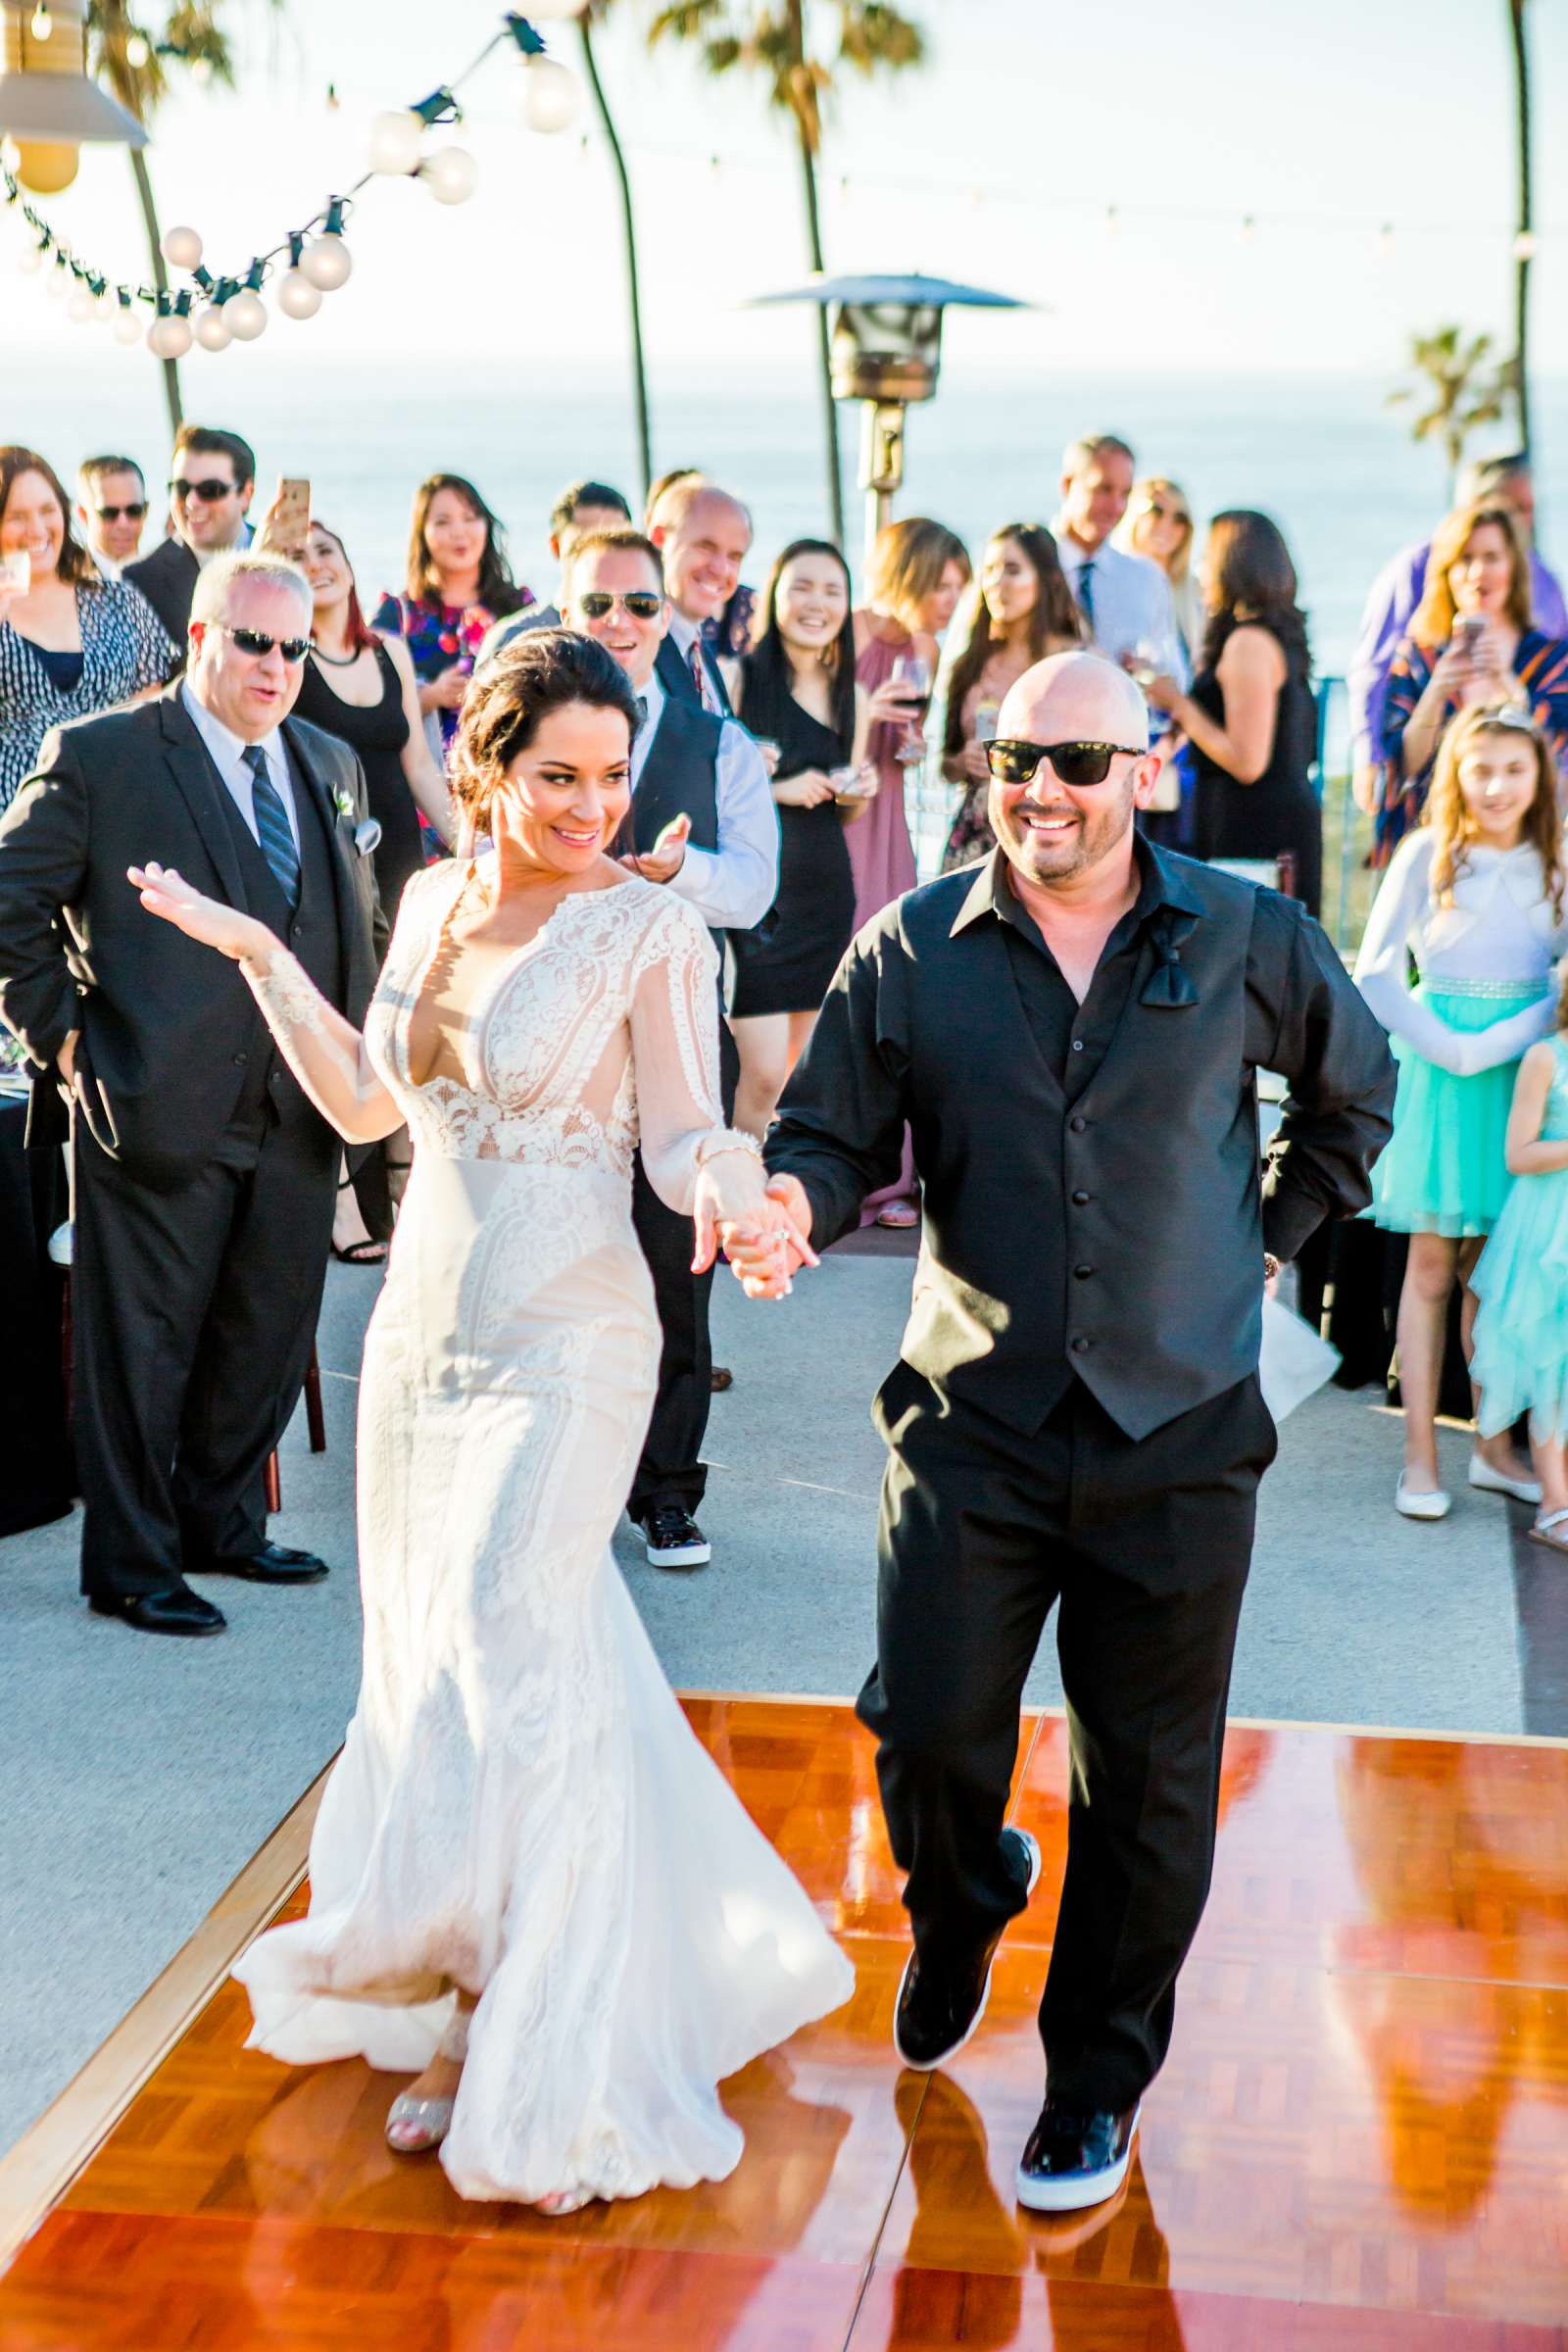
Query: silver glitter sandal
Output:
(425,2122)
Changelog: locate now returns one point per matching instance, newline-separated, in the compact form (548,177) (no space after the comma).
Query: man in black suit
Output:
(703,822)
(703,536)
(213,480)
(205,1179)
(1072,1031)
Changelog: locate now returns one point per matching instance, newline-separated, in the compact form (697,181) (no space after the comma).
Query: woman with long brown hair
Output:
(1471,640)
(1475,897)
(1251,716)
(71,644)
(1022,611)
(916,574)
(459,583)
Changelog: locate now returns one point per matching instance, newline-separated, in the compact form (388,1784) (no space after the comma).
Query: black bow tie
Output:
(1168,988)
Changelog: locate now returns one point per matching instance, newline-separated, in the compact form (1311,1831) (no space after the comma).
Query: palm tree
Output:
(770,39)
(1462,386)
(137,65)
(645,447)
(1524,241)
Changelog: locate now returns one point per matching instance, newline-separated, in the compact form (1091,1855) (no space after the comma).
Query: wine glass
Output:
(911,675)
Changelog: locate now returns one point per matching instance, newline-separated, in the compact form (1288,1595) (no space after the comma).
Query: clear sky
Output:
(997,163)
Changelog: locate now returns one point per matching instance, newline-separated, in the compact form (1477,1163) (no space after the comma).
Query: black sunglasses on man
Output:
(1013,760)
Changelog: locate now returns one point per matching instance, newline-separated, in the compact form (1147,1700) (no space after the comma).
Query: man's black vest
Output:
(310,933)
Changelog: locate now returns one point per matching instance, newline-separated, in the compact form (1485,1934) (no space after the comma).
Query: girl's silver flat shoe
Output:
(414,2126)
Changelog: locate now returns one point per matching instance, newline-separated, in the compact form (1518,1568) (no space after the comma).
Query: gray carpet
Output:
(144,1774)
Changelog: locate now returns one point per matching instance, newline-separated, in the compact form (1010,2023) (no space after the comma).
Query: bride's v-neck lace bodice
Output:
(595,1035)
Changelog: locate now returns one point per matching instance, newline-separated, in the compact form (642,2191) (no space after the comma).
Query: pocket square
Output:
(368,836)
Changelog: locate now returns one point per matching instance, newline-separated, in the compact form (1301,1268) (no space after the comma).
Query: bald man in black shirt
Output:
(1072,1031)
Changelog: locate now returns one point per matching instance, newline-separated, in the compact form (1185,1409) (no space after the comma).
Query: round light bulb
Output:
(201,72)
(213,331)
(30,261)
(137,52)
(549,94)
(397,141)
(327,263)
(245,316)
(451,175)
(83,306)
(58,283)
(43,24)
(127,326)
(182,248)
(169,337)
(107,306)
(297,298)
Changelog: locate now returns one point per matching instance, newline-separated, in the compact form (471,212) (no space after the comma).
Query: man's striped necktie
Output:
(271,827)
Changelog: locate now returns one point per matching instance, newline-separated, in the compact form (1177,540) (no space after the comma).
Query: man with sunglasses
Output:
(205,1179)
(111,508)
(1072,1031)
(211,481)
(703,820)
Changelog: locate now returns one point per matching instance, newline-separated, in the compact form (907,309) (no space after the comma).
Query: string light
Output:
(43,24)
(317,257)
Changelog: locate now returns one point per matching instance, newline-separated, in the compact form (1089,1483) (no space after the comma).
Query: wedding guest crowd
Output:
(782,732)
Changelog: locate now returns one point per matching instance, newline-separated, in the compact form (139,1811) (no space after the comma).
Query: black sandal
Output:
(361,1253)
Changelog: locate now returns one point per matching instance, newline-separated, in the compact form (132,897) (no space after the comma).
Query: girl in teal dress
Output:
(1473,904)
(1520,1340)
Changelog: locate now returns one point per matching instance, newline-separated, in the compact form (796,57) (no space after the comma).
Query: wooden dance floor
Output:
(1359,2143)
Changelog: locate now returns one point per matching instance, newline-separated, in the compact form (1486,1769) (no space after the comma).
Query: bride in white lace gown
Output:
(522,1837)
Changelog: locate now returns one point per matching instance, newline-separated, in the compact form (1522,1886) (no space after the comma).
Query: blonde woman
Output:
(918,572)
(1158,525)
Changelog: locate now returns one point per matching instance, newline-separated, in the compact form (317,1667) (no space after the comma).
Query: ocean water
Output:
(1322,454)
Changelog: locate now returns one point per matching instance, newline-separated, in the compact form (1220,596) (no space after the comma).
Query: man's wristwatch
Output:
(1271,1266)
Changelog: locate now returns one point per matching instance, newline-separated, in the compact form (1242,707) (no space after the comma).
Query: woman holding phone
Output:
(1471,640)
(71,644)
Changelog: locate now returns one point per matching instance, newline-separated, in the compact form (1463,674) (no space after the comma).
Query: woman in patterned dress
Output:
(458,582)
(71,644)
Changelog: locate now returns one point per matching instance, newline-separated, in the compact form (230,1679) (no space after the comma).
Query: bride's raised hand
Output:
(166,892)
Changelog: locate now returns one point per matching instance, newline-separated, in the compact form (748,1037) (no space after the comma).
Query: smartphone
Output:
(16,570)
(1468,631)
(293,508)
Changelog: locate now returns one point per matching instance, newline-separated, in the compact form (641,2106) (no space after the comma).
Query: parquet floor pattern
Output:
(1359,2143)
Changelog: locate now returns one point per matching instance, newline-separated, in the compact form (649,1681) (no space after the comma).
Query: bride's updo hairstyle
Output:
(539,671)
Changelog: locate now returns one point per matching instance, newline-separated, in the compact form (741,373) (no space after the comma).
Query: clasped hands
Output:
(765,1236)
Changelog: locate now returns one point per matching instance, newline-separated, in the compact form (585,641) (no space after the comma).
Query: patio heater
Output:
(886,352)
(48,104)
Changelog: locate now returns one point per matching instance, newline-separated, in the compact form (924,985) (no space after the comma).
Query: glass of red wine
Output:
(910,675)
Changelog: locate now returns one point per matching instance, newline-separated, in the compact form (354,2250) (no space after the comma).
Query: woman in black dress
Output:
(1251,716)
(797,694)
(359,686)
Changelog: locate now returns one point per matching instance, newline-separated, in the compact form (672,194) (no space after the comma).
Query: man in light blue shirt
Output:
(1124,599)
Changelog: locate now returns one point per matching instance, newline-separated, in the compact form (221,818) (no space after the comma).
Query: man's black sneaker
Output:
(674,1537)
(940,2004)
(1072,2159)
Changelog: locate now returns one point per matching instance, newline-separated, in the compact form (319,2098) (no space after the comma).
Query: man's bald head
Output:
(1056,836)
(704,535)
(1075,698)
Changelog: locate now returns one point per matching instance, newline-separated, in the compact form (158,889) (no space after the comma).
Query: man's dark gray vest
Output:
(310,933)
(680,778)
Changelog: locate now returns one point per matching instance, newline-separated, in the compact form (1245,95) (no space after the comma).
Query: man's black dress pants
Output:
(1144,1547)
(671,1472)
(193,1314)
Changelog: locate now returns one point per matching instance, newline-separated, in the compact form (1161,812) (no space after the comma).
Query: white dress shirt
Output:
(733,886)
(1500,933)
(1130,598)
(228,750)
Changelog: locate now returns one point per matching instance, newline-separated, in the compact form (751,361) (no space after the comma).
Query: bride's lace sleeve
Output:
(325,1051)
(674,1043)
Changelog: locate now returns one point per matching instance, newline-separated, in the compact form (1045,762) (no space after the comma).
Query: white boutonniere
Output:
(344,802)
